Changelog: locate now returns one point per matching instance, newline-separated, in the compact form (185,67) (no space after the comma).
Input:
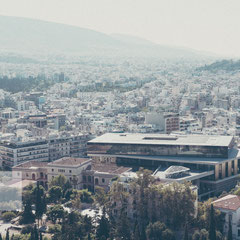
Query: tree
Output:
(27,229)
(89,237)
(229,237)
(35,233)
(100,196)
(1,236)
(237,192)
(103,227)
(186,232)
(219,236)
(7,235)
(196,235)
(60,181)
(86,196)
(12,237)
(40,207)
(67,194)
(86,225)
(168,235)
(136,232)
(55,212)
(123,227)
(204,216)
(27,214)
(212,227)
(76,202)
(8,216)
(204,234)
(154,230)
(55,194)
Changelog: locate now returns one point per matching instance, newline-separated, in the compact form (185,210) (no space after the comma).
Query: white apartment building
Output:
(66,146)
(15,152)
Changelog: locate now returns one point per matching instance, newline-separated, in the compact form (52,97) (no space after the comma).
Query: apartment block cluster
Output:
(98,97)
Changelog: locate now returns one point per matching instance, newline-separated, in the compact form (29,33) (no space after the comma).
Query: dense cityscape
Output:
(119,139)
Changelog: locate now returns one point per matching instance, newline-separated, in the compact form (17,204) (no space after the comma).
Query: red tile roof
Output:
(32,163)
(69,161)
(229,202)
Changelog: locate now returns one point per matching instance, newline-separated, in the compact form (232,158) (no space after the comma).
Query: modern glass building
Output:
(214,160)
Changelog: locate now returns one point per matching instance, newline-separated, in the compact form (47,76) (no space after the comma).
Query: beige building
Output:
(71,168)
(31,170)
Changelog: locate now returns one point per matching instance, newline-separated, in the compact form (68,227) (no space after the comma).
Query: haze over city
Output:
(211,26)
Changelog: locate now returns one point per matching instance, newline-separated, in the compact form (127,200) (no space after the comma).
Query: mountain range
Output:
(36,36)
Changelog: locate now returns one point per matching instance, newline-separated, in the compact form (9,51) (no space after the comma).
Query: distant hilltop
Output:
(21,35)
(224,65)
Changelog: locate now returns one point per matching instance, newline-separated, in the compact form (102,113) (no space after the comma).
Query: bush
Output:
(8,216)
(27,229)
(56,228)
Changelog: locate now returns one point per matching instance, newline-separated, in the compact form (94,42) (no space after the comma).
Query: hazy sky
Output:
(210,25)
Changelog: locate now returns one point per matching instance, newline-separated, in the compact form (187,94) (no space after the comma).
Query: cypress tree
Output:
(32,234)
(212,228)
(89,237)
(229,230)
(1,236)
(39,210)
(35,233)
(7,235)
(186,232)
(123,227)
(103,228)
(27,215)
(40,236)
(136,232)
(63,228)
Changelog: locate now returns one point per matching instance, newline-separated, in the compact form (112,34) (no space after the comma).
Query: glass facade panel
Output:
(158,150)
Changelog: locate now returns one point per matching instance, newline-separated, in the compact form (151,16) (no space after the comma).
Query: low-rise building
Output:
(31,170)
(71,168)
(230,206)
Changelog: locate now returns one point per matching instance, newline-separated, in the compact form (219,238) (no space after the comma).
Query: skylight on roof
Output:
(161,138)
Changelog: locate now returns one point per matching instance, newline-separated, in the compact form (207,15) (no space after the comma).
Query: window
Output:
(96,181)
(70,171)
(84,178)
(52,170)
(103,180)
(238,232)
(89,179)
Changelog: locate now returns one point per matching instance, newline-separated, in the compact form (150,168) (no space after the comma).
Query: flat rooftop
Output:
(69,161)
(164,139)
